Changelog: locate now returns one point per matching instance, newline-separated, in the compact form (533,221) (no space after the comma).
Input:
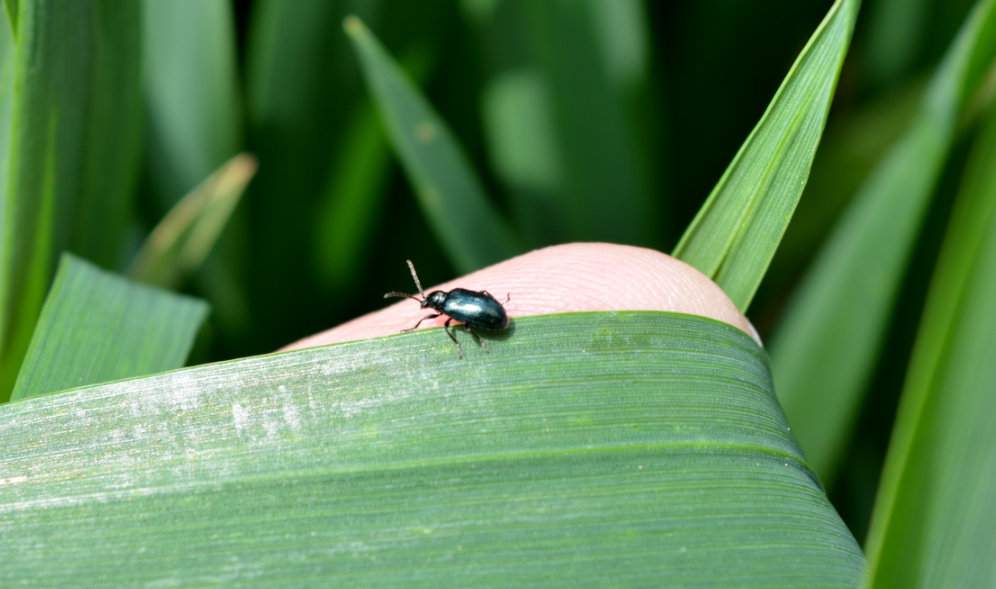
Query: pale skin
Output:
(569,277)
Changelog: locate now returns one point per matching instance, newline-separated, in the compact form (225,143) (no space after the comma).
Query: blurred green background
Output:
(282,83)
(632,109)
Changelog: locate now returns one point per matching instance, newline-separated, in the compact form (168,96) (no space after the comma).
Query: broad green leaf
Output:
(833,329)
(734,236)
(71,152)
(191,93)
(935,497)
(97,327)
(586,449)
(469,228)
(184,238)
(558,120)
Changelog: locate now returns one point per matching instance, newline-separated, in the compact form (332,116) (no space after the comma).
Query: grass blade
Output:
(446,184)
(736,232)
(191,93)
(184,238)
(97,327)
(302,87)
(587,449)
(939,510)
(10,9)
(71,157)
(558,122)
(345,219)
(827,344)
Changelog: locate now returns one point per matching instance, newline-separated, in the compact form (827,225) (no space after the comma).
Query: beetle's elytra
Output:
(476,310)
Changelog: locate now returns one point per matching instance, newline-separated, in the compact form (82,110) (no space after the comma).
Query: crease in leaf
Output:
(627,447)
(97,327)
(946,410)
(736,232)
(181,242)
(828,340)
(469,228)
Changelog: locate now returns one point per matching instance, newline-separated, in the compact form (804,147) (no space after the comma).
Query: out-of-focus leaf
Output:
(345,221)
(558,122)
(934,520)
(736,232)
(97,327)
(523,148)
(587,449)
(72,151)
(830,336)
(184,238)
(302,85)
(895,38)
(469,228)
(847,156)
(10,8)
(191,93)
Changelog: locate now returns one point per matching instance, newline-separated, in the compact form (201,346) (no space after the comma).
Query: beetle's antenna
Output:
(401,295)
(418,284)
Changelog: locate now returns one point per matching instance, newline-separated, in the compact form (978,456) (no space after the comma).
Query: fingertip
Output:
(570,277)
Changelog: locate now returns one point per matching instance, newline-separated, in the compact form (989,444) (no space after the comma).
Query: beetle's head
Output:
(434,300)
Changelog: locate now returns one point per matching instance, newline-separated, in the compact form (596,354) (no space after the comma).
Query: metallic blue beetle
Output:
(476,310)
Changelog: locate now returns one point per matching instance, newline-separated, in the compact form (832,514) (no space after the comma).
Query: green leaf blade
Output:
(470,229)
(735,234)
(586,449)
(184,238)
(946,410)
(827,343)
(559,122)
(191,93)
(97,327)
(72,151)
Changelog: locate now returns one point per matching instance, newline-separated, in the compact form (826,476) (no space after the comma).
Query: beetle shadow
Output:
(494,336)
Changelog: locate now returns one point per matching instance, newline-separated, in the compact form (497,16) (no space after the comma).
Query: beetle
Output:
(474,309)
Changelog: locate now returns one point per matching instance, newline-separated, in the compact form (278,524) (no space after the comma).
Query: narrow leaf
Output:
(940,509)
(192,95)
(827,343)
(736,232)
(558,119)
(10,8)
(72,153)
(470,229)
(97,327)
(184,238)
(585,450)
(346,219)
(302,86)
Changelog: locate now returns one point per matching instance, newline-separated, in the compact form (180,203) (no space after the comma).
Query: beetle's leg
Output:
(449,332)
(477,338)
(414,327)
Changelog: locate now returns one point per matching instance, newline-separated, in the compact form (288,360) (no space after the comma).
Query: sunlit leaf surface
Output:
(97,327)
(588,449)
